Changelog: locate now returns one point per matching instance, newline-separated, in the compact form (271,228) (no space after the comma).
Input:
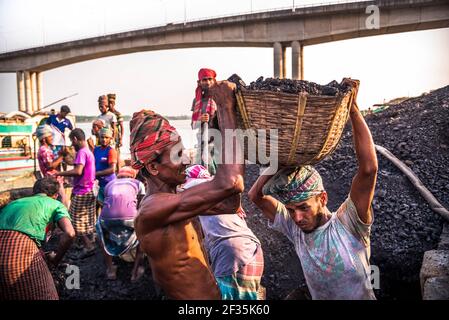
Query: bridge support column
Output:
(284,62)
(39,82)
(280,69)
(297,60)
(21,91)
(33,91)
(29,105)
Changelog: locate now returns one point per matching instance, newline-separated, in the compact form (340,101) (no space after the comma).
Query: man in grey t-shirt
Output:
(107,116)
(333,248)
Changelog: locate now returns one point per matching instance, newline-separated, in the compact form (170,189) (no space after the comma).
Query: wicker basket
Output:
(309,127)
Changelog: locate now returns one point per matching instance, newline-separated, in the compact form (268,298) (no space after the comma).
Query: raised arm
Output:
(161,209)
(76,171)
(66,240)
(267,204)
(364,182)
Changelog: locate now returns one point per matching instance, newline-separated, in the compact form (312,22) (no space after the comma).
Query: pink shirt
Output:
(84,183)
(120,198)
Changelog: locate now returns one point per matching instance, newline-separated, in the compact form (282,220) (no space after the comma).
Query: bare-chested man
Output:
(165,225)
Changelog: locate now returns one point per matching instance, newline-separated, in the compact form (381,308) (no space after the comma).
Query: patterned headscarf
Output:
(103,97)
(211,107)
(43,131)
(198,174)
(105,132)
(126,171)
(195,175)
(99,123)
(294,184)
(150,134)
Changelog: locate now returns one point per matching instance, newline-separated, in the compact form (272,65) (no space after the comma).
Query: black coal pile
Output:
(417,132)
(291,86)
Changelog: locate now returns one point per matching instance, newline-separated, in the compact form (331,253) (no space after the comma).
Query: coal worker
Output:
(82,205)
(48,163)
(333,248)
(59,123)
(115,225)
(105,162)
(24,275)
(234,251)
(165,225)
(109,118)
(204,111)
(119,129)
(94,139)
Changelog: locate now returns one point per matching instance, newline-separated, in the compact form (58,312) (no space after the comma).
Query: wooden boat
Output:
(18,146)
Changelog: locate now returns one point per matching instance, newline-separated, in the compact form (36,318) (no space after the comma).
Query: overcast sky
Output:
(388,66)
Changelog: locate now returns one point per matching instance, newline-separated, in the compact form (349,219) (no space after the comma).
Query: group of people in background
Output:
(104,197)
(186,218)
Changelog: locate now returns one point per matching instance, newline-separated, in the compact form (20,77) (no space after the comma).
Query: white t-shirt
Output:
(108,118)
(335,256)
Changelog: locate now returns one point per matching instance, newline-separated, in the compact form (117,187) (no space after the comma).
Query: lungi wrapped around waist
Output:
(24,274)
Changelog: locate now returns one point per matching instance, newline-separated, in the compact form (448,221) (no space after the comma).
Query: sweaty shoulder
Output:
(154,209)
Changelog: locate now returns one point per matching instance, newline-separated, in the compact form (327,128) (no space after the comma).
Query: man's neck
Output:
(155,185)
(327,215)
(82,145)
(60,117)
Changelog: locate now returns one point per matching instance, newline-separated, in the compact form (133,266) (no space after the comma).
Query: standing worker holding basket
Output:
(204,117)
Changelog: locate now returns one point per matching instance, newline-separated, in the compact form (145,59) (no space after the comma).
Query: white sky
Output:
(388,66)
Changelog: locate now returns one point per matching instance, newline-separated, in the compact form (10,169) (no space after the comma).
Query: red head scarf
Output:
(211,107)
(150,134)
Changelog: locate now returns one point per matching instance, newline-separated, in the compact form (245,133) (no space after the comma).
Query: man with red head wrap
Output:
(204,109)
(166,225)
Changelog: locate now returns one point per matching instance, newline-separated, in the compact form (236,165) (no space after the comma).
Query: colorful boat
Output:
(17,143)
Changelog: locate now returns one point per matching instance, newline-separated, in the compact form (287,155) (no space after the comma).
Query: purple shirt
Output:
(120,198)
(84,183)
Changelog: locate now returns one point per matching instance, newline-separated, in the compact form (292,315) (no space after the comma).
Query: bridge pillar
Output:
(39,82)
(297,60)
(33,91)
(284,62)
(279,53)
(21,91)
(29,105)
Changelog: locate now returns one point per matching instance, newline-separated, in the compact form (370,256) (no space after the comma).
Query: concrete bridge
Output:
(276,29)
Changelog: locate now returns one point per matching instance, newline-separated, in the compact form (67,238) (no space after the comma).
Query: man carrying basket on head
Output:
(333,247)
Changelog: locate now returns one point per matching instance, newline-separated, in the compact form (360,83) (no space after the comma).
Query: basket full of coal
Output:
(305,118)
